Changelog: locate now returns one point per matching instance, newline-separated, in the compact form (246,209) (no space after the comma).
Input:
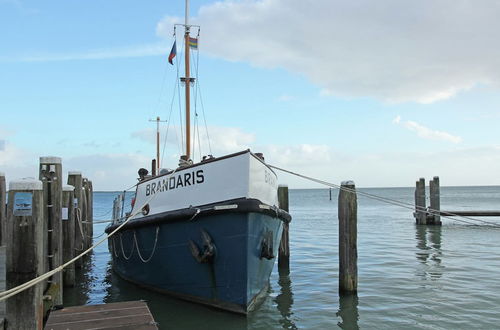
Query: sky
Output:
(379,92)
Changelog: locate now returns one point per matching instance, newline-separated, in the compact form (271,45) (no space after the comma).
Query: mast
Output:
(188,84)
(157,120)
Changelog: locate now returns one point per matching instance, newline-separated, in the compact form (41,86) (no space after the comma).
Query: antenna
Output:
(157,120)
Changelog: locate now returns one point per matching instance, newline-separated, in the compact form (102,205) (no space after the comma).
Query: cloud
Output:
(154,49)
(285,98)
(397,51)
(223,140)
(463,166)
(108,171)
(427,133)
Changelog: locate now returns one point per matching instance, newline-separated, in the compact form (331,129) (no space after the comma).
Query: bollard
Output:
(420,208)
(68,230)
(3,210)
(435,200)
(75,180)
(284,250)
(348,237)
(24,254)
(51,176)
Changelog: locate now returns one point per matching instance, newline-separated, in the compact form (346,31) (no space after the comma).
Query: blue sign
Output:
(23,204)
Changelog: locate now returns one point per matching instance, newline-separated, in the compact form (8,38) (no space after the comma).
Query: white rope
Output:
(123,252)
(392,201)
(12,292)
(154,246)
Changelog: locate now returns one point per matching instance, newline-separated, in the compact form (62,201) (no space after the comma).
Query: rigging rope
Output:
(392,201)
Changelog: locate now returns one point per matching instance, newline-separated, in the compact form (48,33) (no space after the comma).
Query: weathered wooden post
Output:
(51,176)
(118,207)
(68,228)
(284,250)
(90,211)
(75,180)
(420,208)
(3,213)
(84,210)
(435,200)
(25,259)
(348,237)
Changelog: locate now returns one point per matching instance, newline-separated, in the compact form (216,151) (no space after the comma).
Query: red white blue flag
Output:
(173,52)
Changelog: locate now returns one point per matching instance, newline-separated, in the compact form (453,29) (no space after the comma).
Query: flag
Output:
(173,52)
(193,43)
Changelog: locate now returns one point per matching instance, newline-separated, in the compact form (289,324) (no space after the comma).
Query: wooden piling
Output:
(117,207)
(84,212)
(3,210)
(90,211)
(435,200)
(25,259)
(68,229)
(50,173)
(348,237)
(284,249)
(75,180)
(420,208)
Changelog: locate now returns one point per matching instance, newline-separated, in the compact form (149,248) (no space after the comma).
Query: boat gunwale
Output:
(244,205)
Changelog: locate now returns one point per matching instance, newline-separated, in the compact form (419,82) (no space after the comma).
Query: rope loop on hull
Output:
(123,252)
(154,246)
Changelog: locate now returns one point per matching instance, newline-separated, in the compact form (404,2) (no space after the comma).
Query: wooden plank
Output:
(114,322)
(100,307)
(121,315)
(471,213)
(98,314)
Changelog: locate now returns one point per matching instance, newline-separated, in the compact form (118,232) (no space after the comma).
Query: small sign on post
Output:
(23,204)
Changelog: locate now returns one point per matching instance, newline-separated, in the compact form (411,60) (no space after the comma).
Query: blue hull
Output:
(160,257)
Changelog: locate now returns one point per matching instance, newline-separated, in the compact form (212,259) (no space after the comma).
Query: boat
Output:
(206,231)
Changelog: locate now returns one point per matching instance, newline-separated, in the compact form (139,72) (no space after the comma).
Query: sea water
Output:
(411,277)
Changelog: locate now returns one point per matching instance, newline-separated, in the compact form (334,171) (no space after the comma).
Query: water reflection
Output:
(284,300)
(348,311)
(429,252)
(80,293)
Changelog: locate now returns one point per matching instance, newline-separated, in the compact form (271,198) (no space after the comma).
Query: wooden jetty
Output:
(33,227)
(121,315)
(432,215)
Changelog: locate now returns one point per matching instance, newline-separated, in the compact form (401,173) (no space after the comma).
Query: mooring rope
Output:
(154,246)
(402,204)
